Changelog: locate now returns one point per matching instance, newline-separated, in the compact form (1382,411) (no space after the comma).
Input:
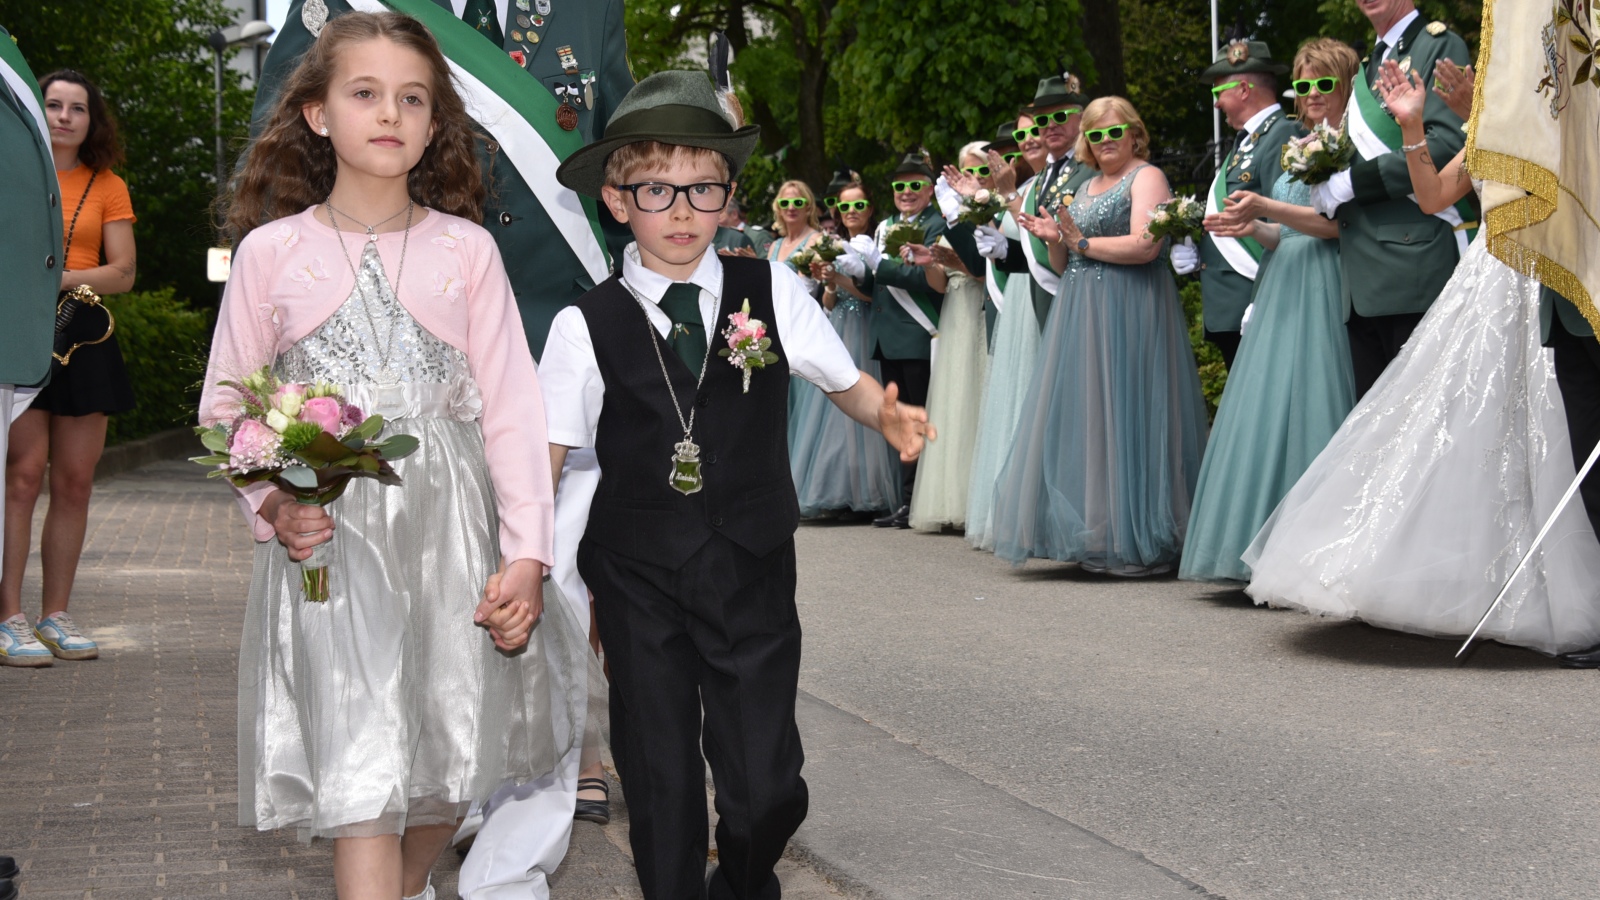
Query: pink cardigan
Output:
(288,277)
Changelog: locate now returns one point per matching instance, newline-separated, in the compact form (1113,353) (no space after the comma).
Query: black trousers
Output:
(705,656)
(1578,375)
(1375,342)
(912,375)
(1227,342)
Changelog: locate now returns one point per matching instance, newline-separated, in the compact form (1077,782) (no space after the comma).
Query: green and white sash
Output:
(920,310)
(1033,249)
(521,116)
(1243,254)
(1375,133)
(26,88)
(995,279)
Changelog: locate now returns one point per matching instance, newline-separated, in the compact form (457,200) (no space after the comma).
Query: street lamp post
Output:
(248,34)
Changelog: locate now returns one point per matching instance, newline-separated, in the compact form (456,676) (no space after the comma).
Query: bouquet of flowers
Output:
(308,441)
(1177,218)
(1324,152)
(801,261)
(828,248)
(748,344)
(982,208)
(896,238)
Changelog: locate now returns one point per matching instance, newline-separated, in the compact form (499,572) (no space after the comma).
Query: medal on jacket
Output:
(567,112)
(684,476)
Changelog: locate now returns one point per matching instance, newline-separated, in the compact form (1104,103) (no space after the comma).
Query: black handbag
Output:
(70,303)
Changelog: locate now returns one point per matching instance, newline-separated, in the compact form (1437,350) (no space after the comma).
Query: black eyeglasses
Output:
(1022,134)
(658,196)
(1058,117)
(1114,133)
(1324,85)
(853,205)
(913,185)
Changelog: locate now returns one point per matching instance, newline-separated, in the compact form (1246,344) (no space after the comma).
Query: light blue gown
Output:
(1107,452)
(1016,351)
(1288,391)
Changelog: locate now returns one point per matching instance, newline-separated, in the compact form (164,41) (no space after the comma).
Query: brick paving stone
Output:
(118,776)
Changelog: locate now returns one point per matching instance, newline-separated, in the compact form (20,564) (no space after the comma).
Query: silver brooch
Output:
(314,15)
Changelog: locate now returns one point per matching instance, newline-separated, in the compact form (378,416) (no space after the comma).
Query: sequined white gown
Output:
(386,707)
(1437,482)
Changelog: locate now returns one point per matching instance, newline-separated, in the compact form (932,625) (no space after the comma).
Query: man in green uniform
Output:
(577,51)
(1244,86)
(30,232)
(1057,111)
(1395,258)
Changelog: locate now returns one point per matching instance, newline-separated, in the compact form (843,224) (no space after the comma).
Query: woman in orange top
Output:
(66,425)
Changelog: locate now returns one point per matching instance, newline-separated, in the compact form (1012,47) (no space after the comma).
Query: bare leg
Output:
(367,868)
(419,850)
(25,464)
(75,446)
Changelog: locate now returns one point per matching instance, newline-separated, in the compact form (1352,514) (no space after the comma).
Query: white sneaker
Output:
(60,634)
(19,647)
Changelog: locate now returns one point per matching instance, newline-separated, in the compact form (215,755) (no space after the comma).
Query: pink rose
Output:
(322,411)
(738,319)
(254,446)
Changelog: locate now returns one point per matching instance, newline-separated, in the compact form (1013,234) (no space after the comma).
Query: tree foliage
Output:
(151,59)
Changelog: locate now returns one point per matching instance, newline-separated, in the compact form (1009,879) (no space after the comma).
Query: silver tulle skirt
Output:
(387,707)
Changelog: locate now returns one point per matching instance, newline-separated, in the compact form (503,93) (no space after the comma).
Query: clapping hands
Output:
(1402,93)
(963,184)
(1455,86)
(1238,216)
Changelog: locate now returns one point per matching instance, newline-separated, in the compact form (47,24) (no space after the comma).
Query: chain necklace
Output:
(366,302)
(372,230)
(685,476)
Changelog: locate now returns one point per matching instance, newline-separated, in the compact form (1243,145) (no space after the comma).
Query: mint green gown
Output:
(1290,388)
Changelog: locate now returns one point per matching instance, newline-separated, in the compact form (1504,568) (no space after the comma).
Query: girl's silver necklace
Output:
(385,374)
(372,230)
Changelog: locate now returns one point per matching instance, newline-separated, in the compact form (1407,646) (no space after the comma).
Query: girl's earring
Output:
(324,131)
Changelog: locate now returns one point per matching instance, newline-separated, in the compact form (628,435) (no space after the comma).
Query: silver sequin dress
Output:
(386,707)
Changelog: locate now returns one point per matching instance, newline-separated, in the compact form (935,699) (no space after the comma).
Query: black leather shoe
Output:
(1580,659)
(596,811)
(8,891)
(893,520)
(8,867)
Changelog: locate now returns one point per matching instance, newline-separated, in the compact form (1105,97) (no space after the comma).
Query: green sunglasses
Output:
(1324,85)
(1022,134)
(1217,91)
(1113,133)
(976,171)
(830,202)
(793,203)
(915,184)
(1010,157)
(1056,118)
(853,205)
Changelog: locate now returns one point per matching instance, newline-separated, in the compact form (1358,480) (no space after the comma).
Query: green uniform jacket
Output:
(1071,179)
(895,335)
(545,274)
(1254,166)
(731,239)
(30,235)
(1552,304)
(1395,258)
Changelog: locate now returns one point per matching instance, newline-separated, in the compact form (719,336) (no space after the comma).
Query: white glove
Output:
(849,264)
(1245,321)
(991,243)
(1185,257)
(1327,197)
(867,246)
(949,200)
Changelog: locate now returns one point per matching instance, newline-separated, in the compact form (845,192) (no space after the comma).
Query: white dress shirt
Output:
(570,376)
(1392,36)
(1255,121)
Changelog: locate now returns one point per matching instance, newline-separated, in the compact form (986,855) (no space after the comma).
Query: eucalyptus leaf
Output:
(301,477)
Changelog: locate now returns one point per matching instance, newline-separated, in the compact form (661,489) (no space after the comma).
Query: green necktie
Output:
(681,303)
(480,14)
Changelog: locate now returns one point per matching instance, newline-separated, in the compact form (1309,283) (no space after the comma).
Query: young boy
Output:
(689,549)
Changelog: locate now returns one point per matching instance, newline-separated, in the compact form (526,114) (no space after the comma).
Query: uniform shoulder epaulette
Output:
(1436,28)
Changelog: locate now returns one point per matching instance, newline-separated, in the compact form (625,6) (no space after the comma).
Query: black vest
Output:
(748,494)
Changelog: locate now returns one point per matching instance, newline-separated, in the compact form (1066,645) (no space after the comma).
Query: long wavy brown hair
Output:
(100,149)
(290,167)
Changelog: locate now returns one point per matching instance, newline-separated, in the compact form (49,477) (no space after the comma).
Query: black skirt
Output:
(95,380)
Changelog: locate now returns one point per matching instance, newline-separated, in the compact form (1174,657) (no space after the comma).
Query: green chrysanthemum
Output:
(299,436)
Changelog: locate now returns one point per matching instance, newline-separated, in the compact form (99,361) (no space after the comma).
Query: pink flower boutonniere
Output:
(747,343)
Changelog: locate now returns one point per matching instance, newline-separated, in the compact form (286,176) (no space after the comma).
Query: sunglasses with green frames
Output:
(793,203)
(1011,157)
(1022,134)
(1058,117)
(853,205)
(1217,91)
(976,171)
(914,185)
(830,202)
(1110,133)
(1324,85)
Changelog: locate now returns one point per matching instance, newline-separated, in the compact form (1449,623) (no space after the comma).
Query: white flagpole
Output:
(1216,114)
(1566,498)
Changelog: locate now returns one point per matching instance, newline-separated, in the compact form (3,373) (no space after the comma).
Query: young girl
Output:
(376,717)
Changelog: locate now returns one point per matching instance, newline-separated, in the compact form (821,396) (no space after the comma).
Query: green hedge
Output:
(164,342)
(1213,373)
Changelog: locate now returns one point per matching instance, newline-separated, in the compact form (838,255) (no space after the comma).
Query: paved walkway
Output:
(118,776)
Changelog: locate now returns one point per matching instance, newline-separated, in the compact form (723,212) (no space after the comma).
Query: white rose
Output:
(291,404)
(1314,146)
(277,421)
(982,197)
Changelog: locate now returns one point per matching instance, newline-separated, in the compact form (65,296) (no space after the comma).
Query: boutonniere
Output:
(747,343)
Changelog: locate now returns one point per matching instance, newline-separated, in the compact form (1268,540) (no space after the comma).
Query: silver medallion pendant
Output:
(685,477)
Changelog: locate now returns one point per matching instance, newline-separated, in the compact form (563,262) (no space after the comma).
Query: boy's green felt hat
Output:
(670,108)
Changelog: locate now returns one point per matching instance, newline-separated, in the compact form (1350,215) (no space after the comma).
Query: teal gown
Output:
(1108,446)
(1290,388)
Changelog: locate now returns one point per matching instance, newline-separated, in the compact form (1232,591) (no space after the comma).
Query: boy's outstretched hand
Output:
(905,427)
(513,601)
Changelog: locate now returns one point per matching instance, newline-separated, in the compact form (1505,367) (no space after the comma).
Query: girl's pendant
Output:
(685,477)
